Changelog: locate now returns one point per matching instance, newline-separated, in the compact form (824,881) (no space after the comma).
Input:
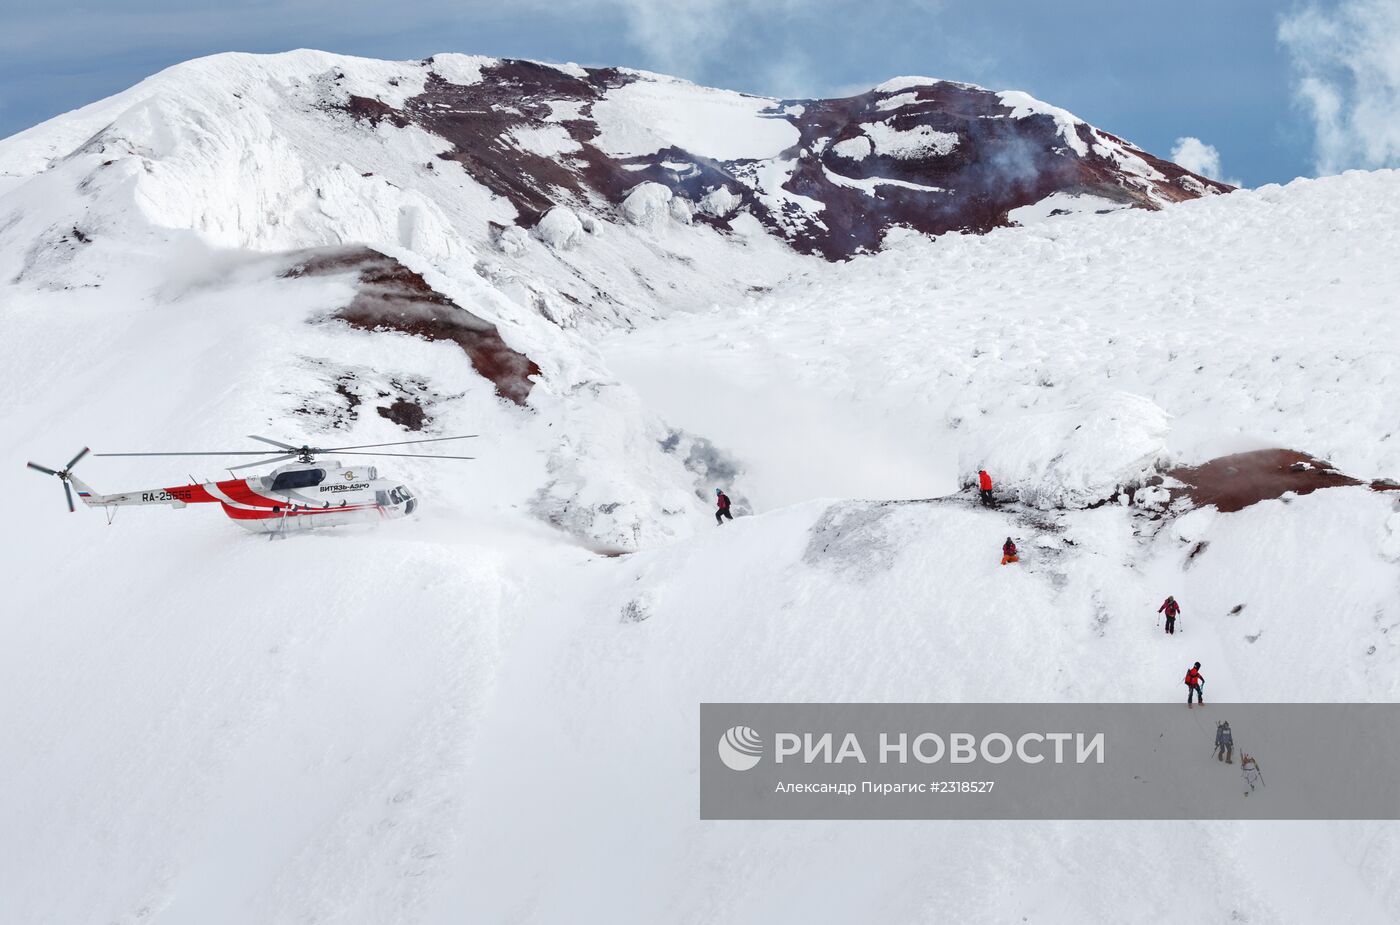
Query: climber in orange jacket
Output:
(1008,552)
(984,486)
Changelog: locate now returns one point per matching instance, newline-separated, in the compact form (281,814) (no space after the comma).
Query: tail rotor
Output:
(63,475)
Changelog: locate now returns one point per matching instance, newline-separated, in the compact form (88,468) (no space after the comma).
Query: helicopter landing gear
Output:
(281,532)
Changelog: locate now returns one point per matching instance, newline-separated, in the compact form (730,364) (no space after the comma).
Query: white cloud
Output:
(1198,157)
(1347,62)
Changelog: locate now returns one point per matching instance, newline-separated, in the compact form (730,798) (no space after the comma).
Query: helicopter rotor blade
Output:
(44,469)
(74,461)
(276,443)
(370,446)
(264,462)
(411,455)
(227,453)
(68,493)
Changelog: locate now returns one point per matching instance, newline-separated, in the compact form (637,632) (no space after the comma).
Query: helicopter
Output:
(302,495)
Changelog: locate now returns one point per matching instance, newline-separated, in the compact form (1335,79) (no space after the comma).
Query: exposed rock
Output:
(934,156)
(391,297)
(407,400)
(1232,483)
(406,413)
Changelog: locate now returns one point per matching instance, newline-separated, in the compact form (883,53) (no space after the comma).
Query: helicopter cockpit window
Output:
(398,495)
(298,478)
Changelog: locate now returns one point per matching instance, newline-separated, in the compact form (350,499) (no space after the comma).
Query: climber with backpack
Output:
(1224,742)
(722,507)
(1008,552)
(1171,608)
(1195,684)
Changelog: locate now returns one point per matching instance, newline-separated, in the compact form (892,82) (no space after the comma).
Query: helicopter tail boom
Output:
(150,496)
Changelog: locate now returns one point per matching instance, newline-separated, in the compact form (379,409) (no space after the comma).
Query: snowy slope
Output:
(472,715)
(1266,318)
(854,602)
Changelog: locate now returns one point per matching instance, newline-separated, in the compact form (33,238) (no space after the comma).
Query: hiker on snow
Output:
(1171,608)
(1008,552)
(984,486)
(1224,742)
(722,501)
(1194,682)
(1250,769)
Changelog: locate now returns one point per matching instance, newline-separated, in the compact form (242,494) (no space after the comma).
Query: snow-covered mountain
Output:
(457,154)
(630,287)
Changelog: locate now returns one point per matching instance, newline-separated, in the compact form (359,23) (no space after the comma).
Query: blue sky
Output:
(1220,72)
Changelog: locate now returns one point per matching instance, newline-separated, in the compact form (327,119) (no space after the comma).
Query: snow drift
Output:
(1074,457)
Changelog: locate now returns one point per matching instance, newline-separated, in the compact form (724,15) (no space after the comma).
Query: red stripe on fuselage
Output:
(238,490)
(192,494)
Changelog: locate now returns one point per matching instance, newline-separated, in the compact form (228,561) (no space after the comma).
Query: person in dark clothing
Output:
(1224,743)
(1008,552)
(1171,608)
(722,502)
(1195,681)
(984,487)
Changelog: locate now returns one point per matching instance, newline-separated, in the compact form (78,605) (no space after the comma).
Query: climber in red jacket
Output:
(1195,682)
(1171,608)
(721,507)
(984,486)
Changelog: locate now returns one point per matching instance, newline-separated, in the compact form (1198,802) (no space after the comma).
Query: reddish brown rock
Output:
(391,297)
(998,164)
(1233,483)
